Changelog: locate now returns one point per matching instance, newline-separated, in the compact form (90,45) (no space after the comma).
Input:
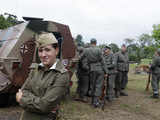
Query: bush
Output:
(134,58)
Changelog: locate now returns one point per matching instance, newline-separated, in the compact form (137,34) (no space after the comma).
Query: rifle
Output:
(148,82)
(103,93)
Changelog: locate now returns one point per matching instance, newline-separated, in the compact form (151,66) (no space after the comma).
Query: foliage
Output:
(134,52)
(146,61)
(79,40)
(101,46)
(7,22)
(114,47)
(149,51)
(147,45)
(156,33)
(142,47)
(145,40)
(129,41)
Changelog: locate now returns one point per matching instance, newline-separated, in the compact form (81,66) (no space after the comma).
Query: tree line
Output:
(142,47)
(8,20)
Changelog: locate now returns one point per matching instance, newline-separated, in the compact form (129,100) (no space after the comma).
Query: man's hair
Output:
(93,41)
(124,46)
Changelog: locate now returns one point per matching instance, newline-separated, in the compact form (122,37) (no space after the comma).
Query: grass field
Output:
(137,82)
(146,61)
(137,106)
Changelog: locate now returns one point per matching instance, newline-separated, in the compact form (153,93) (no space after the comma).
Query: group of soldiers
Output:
(98,68)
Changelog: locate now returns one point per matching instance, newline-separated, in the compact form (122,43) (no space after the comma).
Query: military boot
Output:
(123,94)
(117,94)
(109,98)
(106,97)
(96,102)
(83,99)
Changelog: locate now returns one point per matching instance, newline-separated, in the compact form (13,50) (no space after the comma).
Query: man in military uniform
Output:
(155,68)
(110,64)
(83,77)
(122,64)
(47,83)
(79,54)
(97,71)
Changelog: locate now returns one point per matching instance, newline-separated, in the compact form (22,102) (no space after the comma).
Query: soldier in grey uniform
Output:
(83,77)
(122,63)
(79,54)
(155,68)
(97,71)
(110,64)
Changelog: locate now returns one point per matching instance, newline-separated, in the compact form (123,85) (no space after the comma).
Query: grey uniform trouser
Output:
(121,80)
(155,83)
(96,82)
(110,85)
(83,84)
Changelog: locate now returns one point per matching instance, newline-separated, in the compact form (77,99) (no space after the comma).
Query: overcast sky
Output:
(109,21)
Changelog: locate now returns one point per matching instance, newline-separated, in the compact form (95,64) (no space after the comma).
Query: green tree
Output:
(146,45)
(134,52)
(102,46)
(149,51)
(8,21)
(145,40)
(129,41)
(79,40)
(114,47)
(156,33)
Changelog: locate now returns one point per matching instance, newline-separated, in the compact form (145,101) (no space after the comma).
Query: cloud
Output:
(107,20)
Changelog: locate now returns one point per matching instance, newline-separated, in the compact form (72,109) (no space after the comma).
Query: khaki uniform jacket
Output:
(42,91)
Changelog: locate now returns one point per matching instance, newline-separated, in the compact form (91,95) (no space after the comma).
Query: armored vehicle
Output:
(18,51)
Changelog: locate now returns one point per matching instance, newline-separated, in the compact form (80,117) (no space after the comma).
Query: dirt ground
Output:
(137,106)
(10,113)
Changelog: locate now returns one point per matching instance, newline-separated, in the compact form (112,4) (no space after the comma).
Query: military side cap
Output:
(107,47)
(45,39)
(93,40)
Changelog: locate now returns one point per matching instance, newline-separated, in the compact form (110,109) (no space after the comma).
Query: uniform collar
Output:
(53,67)
(58,66)
(93,46)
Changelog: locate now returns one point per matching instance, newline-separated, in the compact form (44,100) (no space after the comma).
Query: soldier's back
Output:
(93,54)
(95,58)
